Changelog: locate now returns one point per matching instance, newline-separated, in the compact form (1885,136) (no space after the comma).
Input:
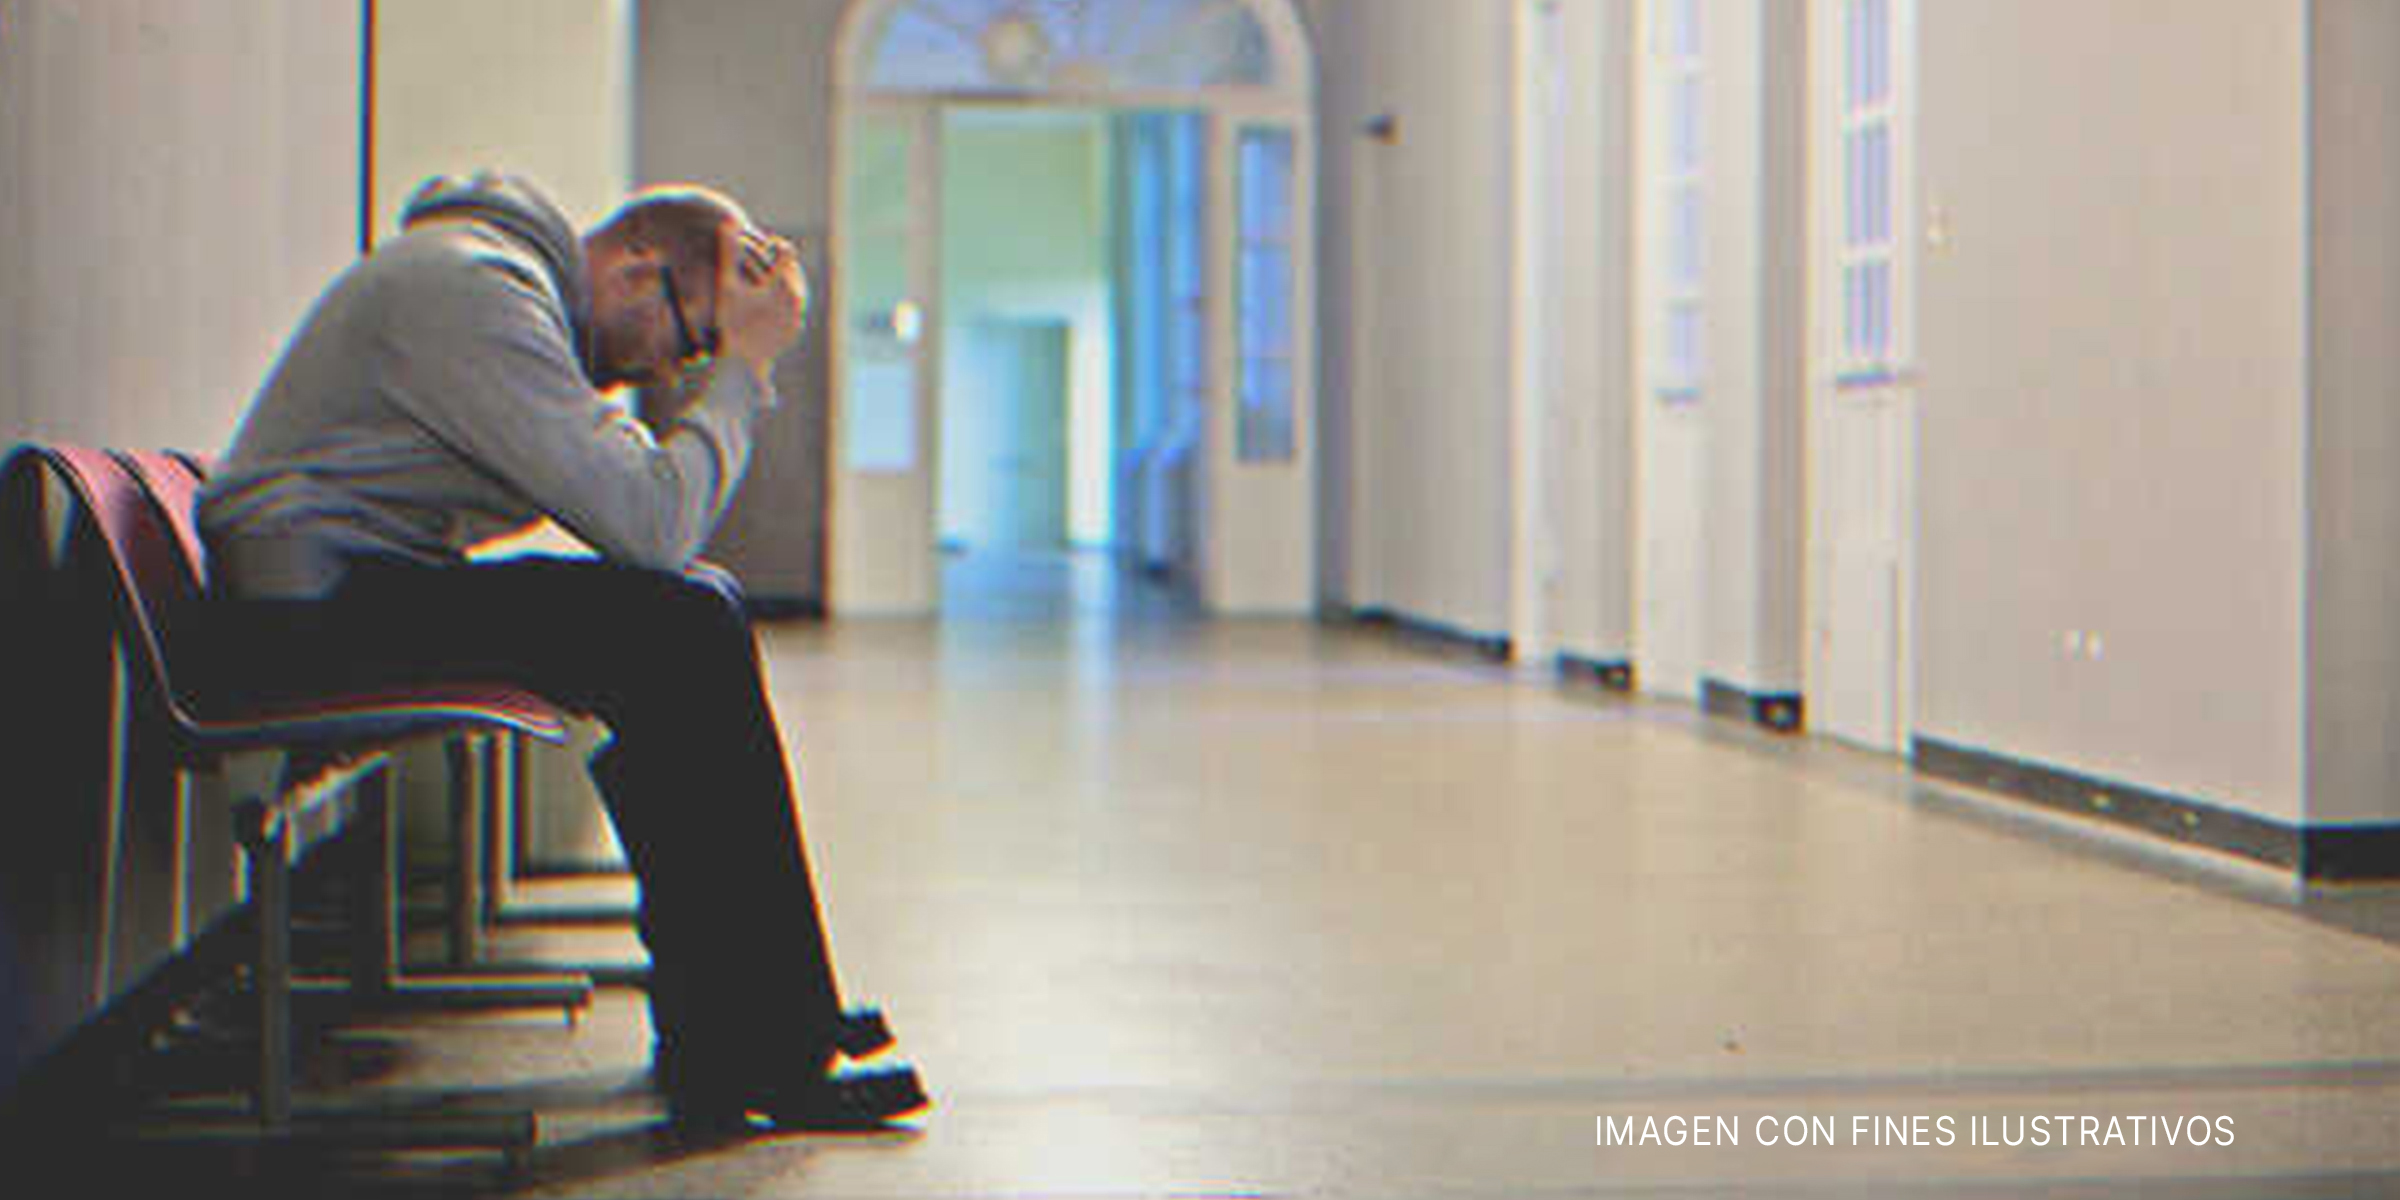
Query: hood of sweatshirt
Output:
(520,208)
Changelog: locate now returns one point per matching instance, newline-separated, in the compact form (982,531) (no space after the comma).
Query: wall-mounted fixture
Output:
(1015,49)
(903,322)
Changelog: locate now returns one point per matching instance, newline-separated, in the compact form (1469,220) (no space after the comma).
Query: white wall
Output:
(1595,330)
(1568,460)
(1429,414)
(2353,658)
(177,183)
(1755,139)
(2113,394)
(540,88)
(738,94)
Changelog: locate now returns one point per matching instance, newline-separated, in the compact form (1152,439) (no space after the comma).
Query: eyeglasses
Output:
(688,348)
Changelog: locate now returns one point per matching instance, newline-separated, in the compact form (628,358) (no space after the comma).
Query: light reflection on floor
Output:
(1166,907)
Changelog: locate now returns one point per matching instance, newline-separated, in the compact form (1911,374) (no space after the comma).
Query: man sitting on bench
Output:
(456,385)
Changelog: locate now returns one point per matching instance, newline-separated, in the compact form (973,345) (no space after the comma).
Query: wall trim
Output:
(1493,646)
(2317,853)
(1613,675)
(1782,712)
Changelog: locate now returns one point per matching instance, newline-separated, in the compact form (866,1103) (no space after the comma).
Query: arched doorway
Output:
(1213,469)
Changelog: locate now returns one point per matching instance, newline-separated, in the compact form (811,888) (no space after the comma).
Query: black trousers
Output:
(693,774)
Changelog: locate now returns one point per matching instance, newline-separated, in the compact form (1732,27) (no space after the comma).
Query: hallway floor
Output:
(1165,908)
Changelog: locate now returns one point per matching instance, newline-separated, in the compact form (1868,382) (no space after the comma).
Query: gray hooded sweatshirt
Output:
(439,395)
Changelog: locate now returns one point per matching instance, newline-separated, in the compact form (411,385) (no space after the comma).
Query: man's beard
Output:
(609,368)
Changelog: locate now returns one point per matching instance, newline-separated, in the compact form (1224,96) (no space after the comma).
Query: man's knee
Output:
(647,596)
(687,609)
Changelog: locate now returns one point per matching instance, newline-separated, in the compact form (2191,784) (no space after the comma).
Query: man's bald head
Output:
(677,223)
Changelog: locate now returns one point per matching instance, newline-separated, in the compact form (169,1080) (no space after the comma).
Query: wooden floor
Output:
(1171,908)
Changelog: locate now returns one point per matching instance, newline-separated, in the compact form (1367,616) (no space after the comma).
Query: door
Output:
(1233,477)
(1259,484)
(1673,564)
(1004,453)
(1670,569)
(887,299)
(1862,398)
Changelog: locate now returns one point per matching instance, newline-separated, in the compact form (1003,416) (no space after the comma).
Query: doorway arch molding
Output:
(1103,52)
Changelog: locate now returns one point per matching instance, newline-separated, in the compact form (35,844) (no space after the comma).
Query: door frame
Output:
(1257,523)
(856,528)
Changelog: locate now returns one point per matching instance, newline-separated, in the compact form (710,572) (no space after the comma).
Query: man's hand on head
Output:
(762,296)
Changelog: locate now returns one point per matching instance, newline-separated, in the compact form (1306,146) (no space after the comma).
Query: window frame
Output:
(1869,338)
(1676,212)
(1262,432)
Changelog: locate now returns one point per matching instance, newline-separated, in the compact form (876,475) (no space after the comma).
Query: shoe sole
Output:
(869,1102)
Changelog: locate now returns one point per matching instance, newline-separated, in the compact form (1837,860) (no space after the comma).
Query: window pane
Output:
(1684,236)
(1868,69)
(1266,183)
(1854,225)
(1265,429)
(1683,343)
(1258,208)
(1853,314)
(1875,178)
(1867,184)
(1187,325)
(1265,314)
(1263,295)
(1867,312)
(1683,116)
(1854,59)
(1276,339)
(1876,71)
(1854,189)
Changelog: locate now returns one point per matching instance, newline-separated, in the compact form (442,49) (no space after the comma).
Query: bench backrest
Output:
(173,484)
(155,556)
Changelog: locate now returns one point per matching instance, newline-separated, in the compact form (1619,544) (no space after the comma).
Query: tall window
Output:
(1869,245)
(1187,267)
(1678,210)
(1263,295)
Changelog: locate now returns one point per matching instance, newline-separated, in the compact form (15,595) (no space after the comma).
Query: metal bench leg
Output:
(470,788)
(502,759)
(505,797)
(274,1117)
(378,981)
(505,856)
(268,841)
